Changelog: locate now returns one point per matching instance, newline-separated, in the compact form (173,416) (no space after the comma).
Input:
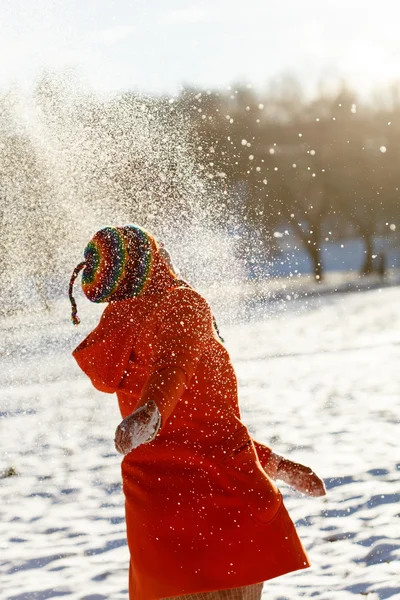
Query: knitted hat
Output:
(118,265)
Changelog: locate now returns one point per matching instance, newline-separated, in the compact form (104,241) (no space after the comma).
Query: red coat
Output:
(201,512)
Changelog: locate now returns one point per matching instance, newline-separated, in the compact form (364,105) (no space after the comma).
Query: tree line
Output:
(324,167)
(327,167)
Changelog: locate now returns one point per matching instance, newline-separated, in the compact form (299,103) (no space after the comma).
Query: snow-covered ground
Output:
(319,381)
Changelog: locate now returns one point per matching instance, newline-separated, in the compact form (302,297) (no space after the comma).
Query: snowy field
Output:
(319,382)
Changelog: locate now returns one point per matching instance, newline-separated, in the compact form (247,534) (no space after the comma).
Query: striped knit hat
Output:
(118,265)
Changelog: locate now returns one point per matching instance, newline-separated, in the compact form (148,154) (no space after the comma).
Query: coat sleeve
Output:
(180,341)
(263,453)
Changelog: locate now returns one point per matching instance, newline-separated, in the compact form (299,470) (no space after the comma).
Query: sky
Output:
(156,46)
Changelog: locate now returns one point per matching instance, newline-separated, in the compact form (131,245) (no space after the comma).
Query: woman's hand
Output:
(138,428)
(300,477)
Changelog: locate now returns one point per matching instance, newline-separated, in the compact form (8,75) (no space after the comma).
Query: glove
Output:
(294,474)
(141,427)
(300,477)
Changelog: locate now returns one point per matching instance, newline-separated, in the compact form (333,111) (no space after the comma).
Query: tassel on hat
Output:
(74,313)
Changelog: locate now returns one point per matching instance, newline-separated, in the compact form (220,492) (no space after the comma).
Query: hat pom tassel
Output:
(75,319)
(74,314)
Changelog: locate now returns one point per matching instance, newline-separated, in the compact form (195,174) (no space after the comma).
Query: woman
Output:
(202,511)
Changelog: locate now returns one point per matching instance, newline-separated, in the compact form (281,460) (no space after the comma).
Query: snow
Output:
(319,381)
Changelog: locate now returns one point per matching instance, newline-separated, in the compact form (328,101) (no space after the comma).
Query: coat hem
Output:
(226,587)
